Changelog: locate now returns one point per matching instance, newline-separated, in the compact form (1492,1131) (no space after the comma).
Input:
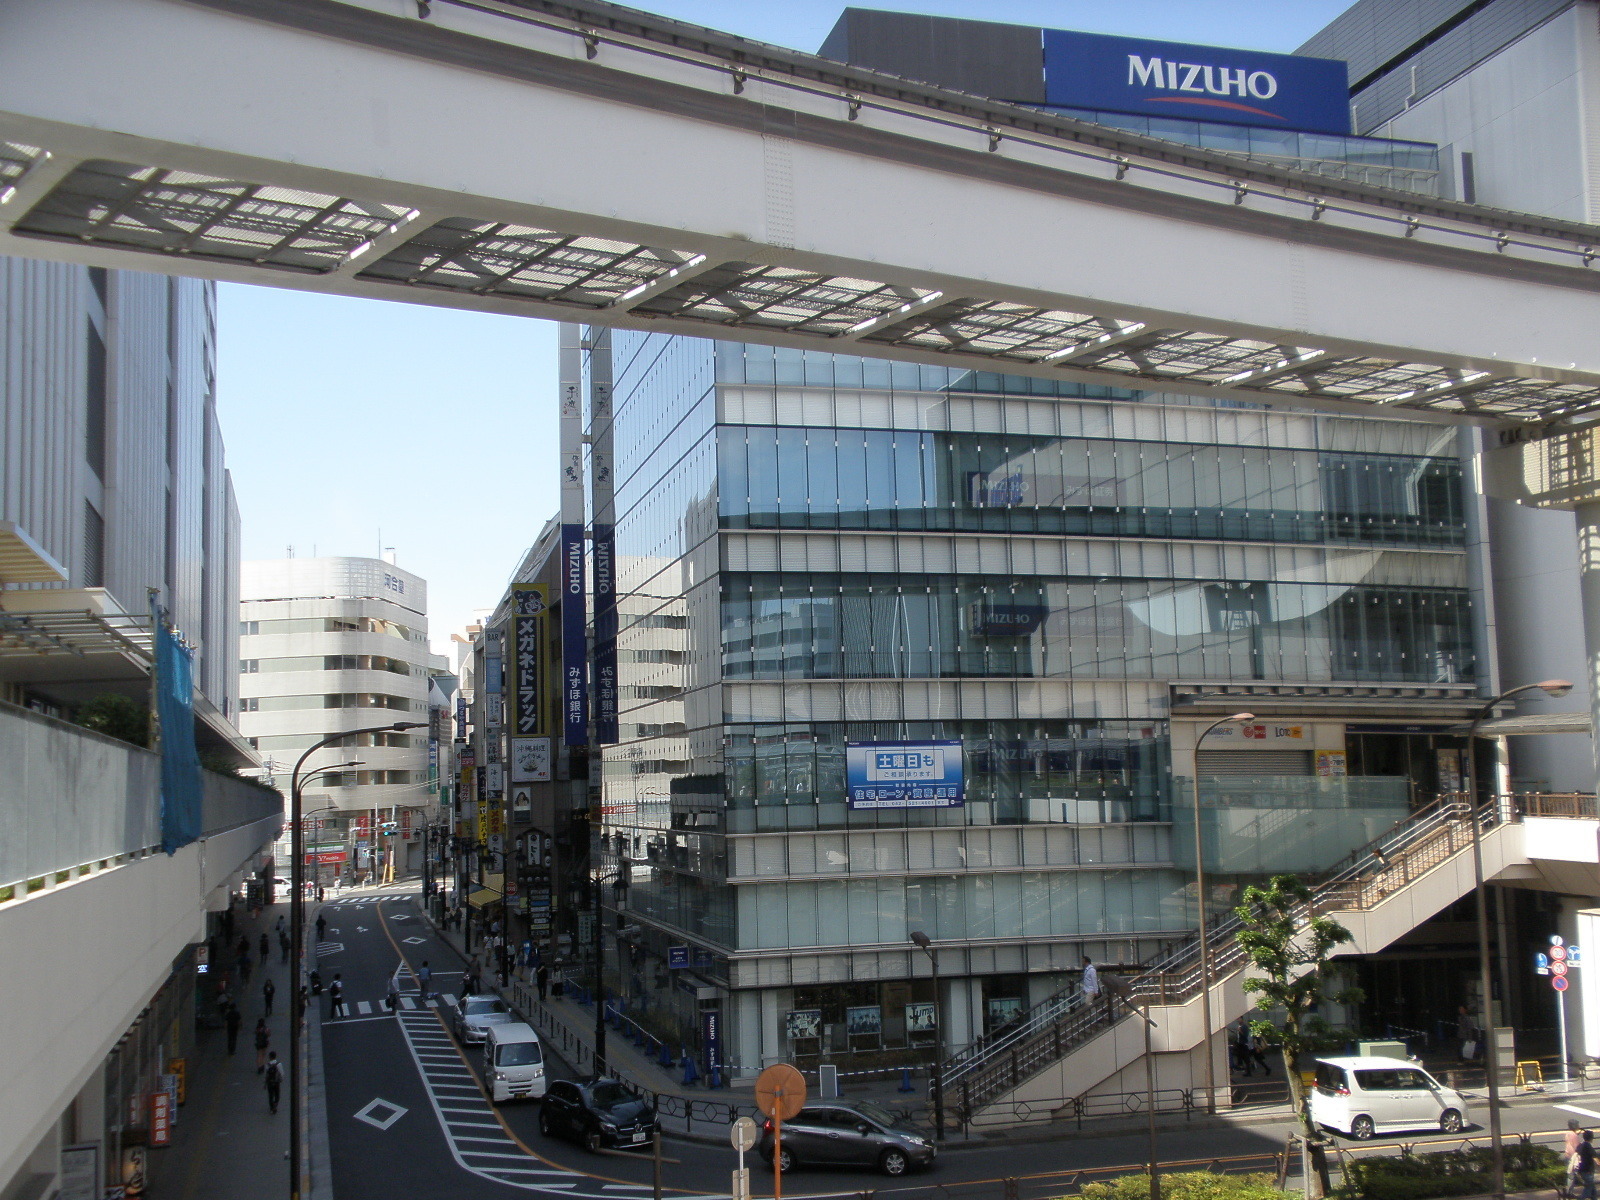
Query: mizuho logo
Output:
(1200,78)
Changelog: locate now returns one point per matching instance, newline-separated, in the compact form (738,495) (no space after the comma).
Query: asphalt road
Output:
(408,1117)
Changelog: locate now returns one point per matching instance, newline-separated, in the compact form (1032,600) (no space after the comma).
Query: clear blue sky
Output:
(354,424)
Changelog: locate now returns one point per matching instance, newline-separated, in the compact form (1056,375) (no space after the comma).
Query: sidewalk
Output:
(226,1141)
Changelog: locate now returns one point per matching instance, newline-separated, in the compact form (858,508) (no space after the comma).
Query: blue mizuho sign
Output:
(1200,83)
(903,774)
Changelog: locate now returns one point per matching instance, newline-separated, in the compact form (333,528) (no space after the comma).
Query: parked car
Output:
(513,1061)
(601,1114)
(475,1014)
(857,1133)
(1368,1095)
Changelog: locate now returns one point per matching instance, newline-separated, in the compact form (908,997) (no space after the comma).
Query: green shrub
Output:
(1463,1172)
(1189,1185)
(116,716)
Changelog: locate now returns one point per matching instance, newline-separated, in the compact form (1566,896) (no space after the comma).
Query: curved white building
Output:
(329,644)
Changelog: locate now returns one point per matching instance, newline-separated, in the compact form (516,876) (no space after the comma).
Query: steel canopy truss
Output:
(141,196)
(33,635)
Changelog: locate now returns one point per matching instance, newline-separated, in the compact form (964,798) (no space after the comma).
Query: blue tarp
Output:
(180,762)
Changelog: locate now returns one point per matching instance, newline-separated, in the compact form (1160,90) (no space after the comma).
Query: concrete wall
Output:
(79,961)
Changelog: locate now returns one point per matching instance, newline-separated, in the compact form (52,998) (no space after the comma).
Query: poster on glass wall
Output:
(866,1021)
(903,774)
(1003,1010)
(803,1023)
(921,1018)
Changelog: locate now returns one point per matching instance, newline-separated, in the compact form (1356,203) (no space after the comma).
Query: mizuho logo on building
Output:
(1100,73)
(1201,78)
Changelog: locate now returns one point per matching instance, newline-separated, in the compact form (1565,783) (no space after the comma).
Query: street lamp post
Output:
(1497,1170)
(936,1082)
(619,878)
(297,918)
(1205,944)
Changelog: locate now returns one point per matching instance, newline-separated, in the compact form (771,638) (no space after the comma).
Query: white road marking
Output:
(363,1007)
(1582,1112)
(407,1002)
(371,1113)
(478,1142)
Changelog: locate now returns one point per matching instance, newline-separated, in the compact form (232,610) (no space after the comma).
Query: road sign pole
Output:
(1561,1024)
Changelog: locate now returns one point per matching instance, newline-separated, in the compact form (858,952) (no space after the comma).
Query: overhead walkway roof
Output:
(588,162)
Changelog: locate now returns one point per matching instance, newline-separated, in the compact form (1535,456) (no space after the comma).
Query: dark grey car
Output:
(855,1133)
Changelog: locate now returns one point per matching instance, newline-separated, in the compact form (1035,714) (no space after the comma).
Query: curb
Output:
(315,1129)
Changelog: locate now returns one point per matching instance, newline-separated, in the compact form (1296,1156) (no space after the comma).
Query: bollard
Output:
(665,1058)
(690,1074)
(905,1080)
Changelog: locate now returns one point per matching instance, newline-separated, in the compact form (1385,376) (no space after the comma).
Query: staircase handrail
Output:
(1066,1017)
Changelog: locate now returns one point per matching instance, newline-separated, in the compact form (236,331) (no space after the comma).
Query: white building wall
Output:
(163,454)
(1530,118)
(349,590)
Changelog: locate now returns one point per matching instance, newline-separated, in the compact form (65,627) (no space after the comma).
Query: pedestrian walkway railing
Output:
(1050,1030)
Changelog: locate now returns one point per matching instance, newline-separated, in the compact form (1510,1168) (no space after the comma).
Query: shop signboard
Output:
(1258,733)
(525,698)
(80,1172)
(921,1018)
(1197,83)
(711,1039)
(903,775)
(161,1118)
(677,957)
(530,760)
(574,640)
(325,858)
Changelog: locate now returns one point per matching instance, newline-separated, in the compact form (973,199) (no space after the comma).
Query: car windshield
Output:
(518,1054)
(478,1005)
(875,1112)
(609,1095)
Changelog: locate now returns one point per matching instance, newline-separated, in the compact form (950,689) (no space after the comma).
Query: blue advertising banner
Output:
(1201,83)
(574,640)
(605,634)
(677,957)
(903,774)
(182,792)
(711,1041)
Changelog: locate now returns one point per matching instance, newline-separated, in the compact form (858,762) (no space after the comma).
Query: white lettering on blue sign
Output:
(1155,72)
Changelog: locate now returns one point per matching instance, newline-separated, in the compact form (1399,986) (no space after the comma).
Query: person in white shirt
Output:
(1091,981)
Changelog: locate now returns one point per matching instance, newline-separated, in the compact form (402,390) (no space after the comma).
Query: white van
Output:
(1363,1096)
(513,1060)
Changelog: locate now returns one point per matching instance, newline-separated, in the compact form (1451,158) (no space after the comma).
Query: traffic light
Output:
(388,828)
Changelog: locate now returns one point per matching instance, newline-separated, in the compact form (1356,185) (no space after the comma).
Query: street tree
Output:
(1290,948)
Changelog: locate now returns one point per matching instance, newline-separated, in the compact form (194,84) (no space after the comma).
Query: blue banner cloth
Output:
(181,789)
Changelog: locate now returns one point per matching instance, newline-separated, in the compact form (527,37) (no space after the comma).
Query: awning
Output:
(492,892)
(1563,722)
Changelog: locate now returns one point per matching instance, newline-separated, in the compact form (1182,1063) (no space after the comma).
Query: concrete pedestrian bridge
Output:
(586,162)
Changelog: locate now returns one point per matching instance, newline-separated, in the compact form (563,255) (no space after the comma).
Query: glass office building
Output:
(817,551)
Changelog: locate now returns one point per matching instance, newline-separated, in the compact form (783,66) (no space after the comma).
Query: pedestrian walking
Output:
(268,991)
(1467,1032)
(282,926)
(1258,1054)
(274,1081)
(233,1020)
(425,979)
(322,927)
(283,945)
(1091,982)
(336,997)
(266,947)
(1569,1158)
(541,980)
(263,1040)
(1586,1161)
(1242,1057)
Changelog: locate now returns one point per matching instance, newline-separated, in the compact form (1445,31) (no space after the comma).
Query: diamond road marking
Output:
(370,1114)
(413,941)
(399,916)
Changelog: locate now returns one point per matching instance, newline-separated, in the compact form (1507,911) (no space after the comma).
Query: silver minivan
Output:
(1368,1095)
(513,1060)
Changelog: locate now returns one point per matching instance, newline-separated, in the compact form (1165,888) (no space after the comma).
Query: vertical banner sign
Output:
(528,606)
(711,1039)
(574,641)
(461,717)
(605,634)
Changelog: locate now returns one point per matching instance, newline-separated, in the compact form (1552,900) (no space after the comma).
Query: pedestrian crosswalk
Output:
(478,1140)
(364,1008)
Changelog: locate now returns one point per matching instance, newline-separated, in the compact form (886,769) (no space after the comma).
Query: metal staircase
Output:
(1429,838)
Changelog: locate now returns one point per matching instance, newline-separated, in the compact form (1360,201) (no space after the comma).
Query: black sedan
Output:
(596,1115)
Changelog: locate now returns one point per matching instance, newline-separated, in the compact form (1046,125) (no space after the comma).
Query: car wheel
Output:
(786,1161)
(893,1162)
(591,1141)
(1450,1121)
(1362,1128)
